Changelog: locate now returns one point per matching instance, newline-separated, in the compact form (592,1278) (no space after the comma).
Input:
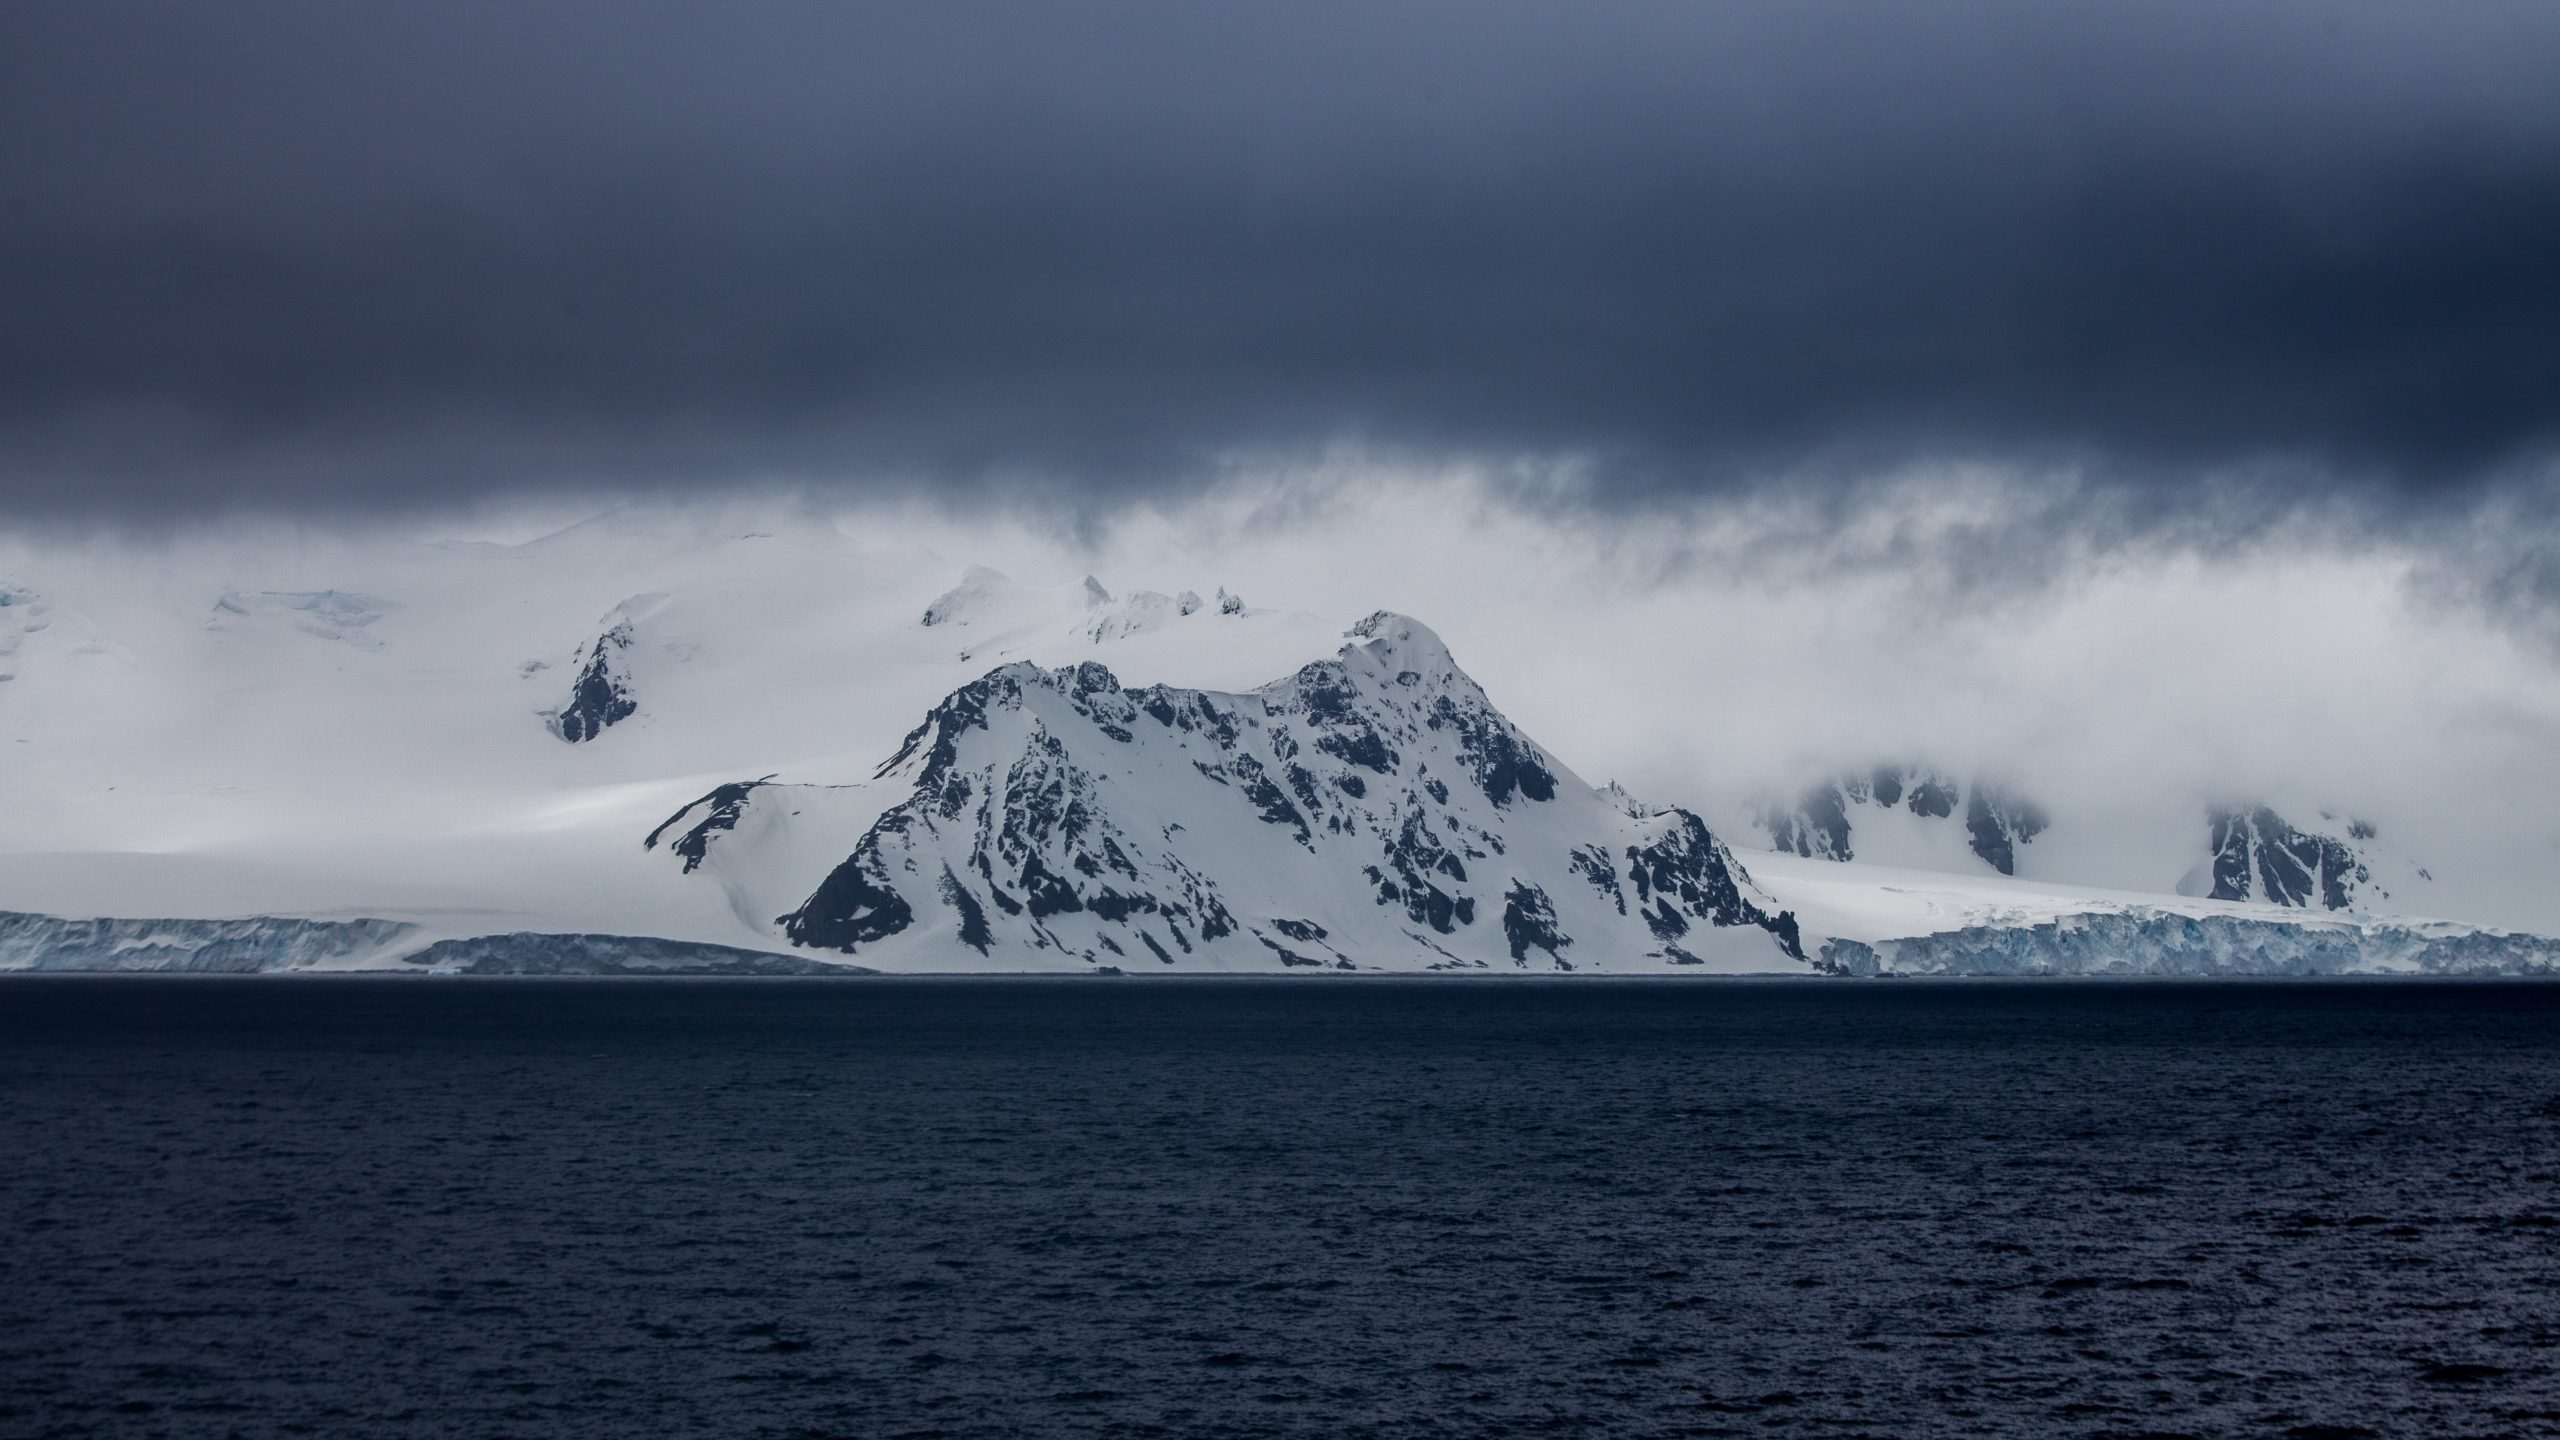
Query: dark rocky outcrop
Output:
(2258,855)
(601,694)
(1822,821)
(1997,823)
(711,815)
(1529,922)
(1687,874)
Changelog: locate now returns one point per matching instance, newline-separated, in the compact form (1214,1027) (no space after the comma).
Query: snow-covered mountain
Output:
(994,617)
(2335,863)
(1921,817)
(348,752)
(343,616)
(1370,811)
(602,690)
(1903,814)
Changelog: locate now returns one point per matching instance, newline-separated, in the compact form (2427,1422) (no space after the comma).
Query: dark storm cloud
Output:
(377,253)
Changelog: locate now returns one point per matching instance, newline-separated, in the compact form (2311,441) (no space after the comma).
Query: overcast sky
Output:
(315,257)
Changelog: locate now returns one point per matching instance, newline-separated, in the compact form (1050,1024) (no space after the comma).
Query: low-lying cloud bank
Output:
(1997,621)
(2125,669)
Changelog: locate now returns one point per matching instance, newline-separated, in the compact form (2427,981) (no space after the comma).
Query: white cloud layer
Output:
(1701,651)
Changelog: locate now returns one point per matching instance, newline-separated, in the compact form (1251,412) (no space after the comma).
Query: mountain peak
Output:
(1374,808)
(1399,643)
(1625,799)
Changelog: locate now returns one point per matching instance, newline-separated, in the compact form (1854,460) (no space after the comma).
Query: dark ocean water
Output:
(1238,1207)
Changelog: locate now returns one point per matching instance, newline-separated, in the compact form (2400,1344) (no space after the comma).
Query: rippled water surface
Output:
(885,1207)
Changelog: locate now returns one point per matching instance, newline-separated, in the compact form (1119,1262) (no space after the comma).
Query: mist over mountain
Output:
(370,719)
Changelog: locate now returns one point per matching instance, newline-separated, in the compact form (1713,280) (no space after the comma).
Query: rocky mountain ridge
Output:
(2336,863)
(1371,809)
(1822,821)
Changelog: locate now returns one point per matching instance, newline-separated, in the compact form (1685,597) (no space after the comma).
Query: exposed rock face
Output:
(602,694)
(1374,808)
(1996,823)
(1816,826)
(2258,855)
(1822,822)
(711,815)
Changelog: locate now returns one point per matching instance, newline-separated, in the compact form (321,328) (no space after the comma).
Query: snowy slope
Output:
(1920,817)
(356,727)
(1371,811)
(472,738)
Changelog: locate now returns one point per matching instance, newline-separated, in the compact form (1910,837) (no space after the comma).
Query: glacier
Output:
(272,944)
(2158,942)
(234,946)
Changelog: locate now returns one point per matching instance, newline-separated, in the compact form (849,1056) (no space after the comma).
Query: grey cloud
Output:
(307,255)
